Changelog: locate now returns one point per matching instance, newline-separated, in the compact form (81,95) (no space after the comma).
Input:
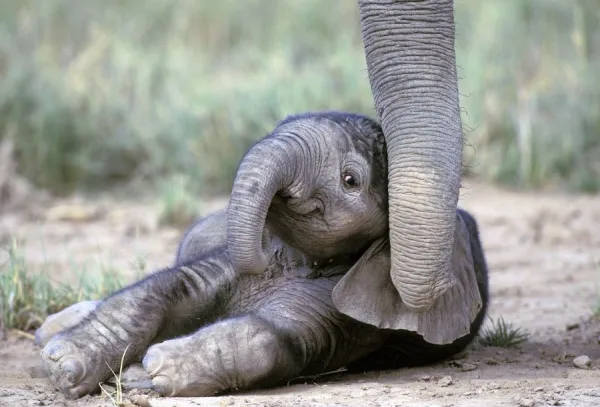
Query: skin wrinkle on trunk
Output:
(291,159)
(257,181)
(409,47)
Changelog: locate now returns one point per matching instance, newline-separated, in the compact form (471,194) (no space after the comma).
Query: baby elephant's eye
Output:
(349,180)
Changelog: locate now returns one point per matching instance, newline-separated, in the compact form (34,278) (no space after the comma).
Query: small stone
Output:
(582,362)
(467,367)
(425,378)
(445,381)
(570,327)
(526,403)
(140,400)
(560,357)
(462,365)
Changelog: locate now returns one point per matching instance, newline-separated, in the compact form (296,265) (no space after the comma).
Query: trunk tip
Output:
(257,266)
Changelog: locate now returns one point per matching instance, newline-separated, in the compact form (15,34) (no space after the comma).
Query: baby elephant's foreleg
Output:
(161,305)
(237,353)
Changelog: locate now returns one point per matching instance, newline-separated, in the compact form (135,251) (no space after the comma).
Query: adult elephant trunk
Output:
(267,168)
(409,46)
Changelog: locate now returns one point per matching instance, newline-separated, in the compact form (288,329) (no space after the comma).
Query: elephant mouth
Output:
(297,207)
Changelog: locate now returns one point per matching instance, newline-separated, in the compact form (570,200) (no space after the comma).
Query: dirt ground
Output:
(544,256)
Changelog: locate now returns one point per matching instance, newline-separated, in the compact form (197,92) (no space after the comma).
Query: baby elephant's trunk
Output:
(266,169)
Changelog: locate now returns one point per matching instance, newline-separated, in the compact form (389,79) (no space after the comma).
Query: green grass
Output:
(27,297)
(502,334)
(531,90)
(103,93)
(115,397)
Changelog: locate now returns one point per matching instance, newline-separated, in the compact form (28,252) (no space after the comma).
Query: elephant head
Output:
(409,47)
(317,182)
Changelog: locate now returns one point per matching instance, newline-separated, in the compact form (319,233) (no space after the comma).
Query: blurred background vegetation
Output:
(169,94)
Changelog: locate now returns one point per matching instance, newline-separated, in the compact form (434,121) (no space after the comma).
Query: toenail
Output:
(56,350)
(150,360)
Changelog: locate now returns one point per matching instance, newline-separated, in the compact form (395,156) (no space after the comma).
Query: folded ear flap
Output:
(367,294)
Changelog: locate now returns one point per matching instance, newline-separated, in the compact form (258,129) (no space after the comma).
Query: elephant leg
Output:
(206,235)
(236,353)
(296,331)
(165,304)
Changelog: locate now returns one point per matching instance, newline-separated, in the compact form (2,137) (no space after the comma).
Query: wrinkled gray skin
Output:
(201,328)
(409,47)
(208,234)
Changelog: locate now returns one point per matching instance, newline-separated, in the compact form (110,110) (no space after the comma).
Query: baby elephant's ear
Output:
(367,294)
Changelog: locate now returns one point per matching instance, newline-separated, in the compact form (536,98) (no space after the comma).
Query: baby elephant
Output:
(201,328)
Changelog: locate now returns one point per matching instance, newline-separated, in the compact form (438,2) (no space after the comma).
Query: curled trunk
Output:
(266,169)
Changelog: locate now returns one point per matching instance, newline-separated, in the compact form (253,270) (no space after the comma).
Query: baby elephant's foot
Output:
(174,369)
(232,354)
(71,368)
